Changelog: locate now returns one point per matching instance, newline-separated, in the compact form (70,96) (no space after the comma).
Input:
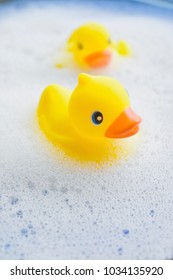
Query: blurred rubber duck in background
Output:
(92,46)
(98,108)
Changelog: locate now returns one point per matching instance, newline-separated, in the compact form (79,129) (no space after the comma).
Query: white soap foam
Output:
(52,207)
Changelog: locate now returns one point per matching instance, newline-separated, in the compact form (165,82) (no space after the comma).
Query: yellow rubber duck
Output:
(98,108)
(92,46)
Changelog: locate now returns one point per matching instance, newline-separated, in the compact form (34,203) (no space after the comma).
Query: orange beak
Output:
(127,124)
(98,59)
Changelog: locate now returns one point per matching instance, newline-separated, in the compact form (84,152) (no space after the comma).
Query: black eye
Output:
(109,41)
(97,117)
(80,46)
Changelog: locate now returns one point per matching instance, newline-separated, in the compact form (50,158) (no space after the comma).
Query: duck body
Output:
(53,114)
(98,108)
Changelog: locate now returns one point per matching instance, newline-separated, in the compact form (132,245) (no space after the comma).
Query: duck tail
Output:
(122,48)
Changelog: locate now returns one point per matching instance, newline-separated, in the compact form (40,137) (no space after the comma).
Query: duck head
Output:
(99,107)
(90,45)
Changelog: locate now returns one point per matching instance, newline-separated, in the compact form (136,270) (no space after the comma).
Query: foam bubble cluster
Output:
(52,207)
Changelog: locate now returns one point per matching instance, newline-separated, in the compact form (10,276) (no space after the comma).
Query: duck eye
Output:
(80,46)
(97,117)
(109,41)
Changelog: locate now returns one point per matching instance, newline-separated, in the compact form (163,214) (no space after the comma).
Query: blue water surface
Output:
(153,7)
